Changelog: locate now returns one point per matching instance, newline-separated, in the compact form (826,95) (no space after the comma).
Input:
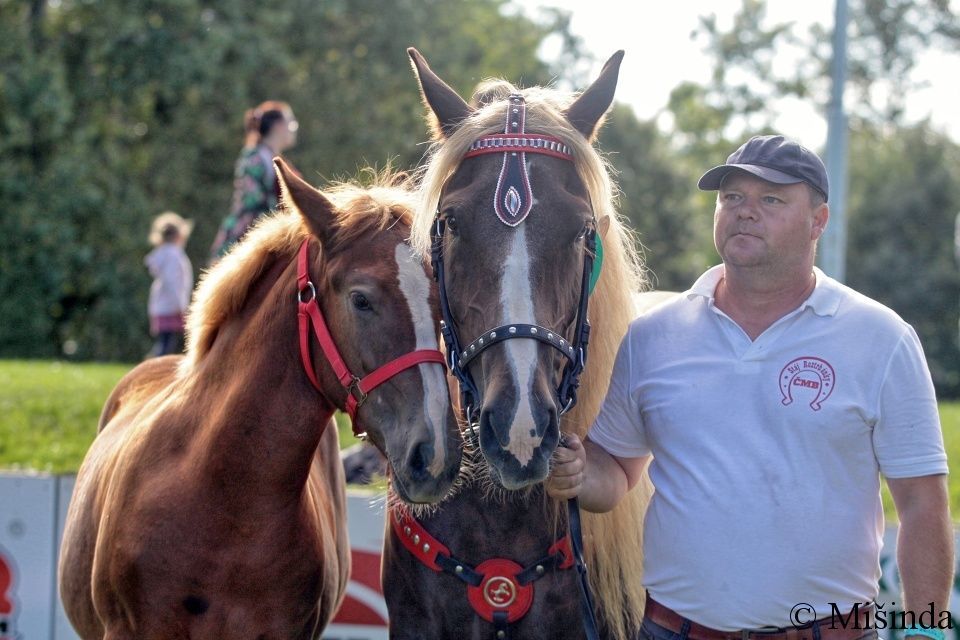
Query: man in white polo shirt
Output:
(772,398)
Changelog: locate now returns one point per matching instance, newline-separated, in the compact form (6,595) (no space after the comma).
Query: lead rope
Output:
(586,596)
(571,382)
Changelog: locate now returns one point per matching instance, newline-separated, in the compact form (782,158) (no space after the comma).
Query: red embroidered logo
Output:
(804,373)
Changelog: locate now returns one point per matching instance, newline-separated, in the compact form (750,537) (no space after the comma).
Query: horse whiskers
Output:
(474,472)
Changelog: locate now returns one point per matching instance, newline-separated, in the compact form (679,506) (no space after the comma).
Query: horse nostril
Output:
(419,459)
(545,419)
(489,422)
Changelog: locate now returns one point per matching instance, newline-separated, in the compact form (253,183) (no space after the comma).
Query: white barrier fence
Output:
(32,512)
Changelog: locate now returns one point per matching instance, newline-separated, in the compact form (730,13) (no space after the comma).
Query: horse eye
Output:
(452,224)
(360,302)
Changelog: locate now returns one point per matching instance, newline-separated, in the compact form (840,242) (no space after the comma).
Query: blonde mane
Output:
(613,540)
(222,291)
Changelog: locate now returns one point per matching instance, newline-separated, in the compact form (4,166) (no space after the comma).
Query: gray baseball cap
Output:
(775,159)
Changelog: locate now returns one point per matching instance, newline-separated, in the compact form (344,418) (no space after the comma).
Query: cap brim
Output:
(711,180)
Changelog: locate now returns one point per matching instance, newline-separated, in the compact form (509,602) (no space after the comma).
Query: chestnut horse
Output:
(211,504)
(514,198)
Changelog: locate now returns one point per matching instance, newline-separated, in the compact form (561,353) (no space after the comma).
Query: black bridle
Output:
(459,357)
(512,202)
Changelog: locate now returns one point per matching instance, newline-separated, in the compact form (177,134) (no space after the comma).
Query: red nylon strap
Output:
(417,540)
(312,310)
(303,265)
(304,320)
(357,389)
(563,546)
(374,379)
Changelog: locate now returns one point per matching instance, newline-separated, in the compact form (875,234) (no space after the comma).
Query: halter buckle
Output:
(355,390)
(311,290)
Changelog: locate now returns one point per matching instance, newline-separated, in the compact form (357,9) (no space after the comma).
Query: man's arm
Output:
(925,541)
(586,470)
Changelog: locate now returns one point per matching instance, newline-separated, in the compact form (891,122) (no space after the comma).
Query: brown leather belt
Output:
(830,629)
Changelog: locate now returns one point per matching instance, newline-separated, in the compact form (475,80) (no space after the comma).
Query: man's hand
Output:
(583,469)
(567,472)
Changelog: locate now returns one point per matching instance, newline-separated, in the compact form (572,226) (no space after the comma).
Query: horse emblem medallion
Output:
(499,591)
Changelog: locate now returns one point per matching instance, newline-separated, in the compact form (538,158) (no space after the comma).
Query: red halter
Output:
(357,388)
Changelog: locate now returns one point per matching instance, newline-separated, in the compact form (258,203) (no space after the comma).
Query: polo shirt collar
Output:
(824,301)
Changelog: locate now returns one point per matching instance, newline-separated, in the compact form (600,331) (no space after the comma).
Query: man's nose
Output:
(749,208)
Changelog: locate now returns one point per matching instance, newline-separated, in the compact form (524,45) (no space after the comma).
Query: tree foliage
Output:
(903,177)
(904,196)
(112,111)
(115,110)
(656,196)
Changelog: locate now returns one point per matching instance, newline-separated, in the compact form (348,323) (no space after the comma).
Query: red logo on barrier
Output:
(815,374)
(7,608)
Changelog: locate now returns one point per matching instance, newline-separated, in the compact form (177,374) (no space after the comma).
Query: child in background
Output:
(172,282)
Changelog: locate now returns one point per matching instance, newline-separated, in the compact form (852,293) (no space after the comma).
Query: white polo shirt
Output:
(767,454)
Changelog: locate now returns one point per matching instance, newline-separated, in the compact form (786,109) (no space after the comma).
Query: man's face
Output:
(763,224)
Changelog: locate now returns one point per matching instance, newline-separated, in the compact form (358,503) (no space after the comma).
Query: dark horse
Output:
(514,198)
(211,504)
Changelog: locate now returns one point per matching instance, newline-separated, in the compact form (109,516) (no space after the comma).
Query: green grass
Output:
(49,413)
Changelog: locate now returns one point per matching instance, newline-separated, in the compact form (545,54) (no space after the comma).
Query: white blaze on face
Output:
(516,300)
(415,287)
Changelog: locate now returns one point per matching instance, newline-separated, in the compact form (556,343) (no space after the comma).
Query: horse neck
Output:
(264,419)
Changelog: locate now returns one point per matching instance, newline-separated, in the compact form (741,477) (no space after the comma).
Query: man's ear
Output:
(317,211)
(446,106)
(820,219)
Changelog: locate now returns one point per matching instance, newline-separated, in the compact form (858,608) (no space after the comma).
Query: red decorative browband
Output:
(526,143)
(513,197)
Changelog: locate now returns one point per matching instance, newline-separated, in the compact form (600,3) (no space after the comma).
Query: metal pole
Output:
(833,244)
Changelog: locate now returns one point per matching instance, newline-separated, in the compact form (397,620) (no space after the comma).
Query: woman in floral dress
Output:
(271,129)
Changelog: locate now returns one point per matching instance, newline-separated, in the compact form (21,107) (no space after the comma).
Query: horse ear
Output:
(319,213)
(603,225)
(448,108)
(586,113)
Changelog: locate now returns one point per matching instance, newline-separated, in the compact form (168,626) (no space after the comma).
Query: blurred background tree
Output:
(115,110)
(904,178)
(112,111)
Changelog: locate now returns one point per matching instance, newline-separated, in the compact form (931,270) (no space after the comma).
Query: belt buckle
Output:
(759,634)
